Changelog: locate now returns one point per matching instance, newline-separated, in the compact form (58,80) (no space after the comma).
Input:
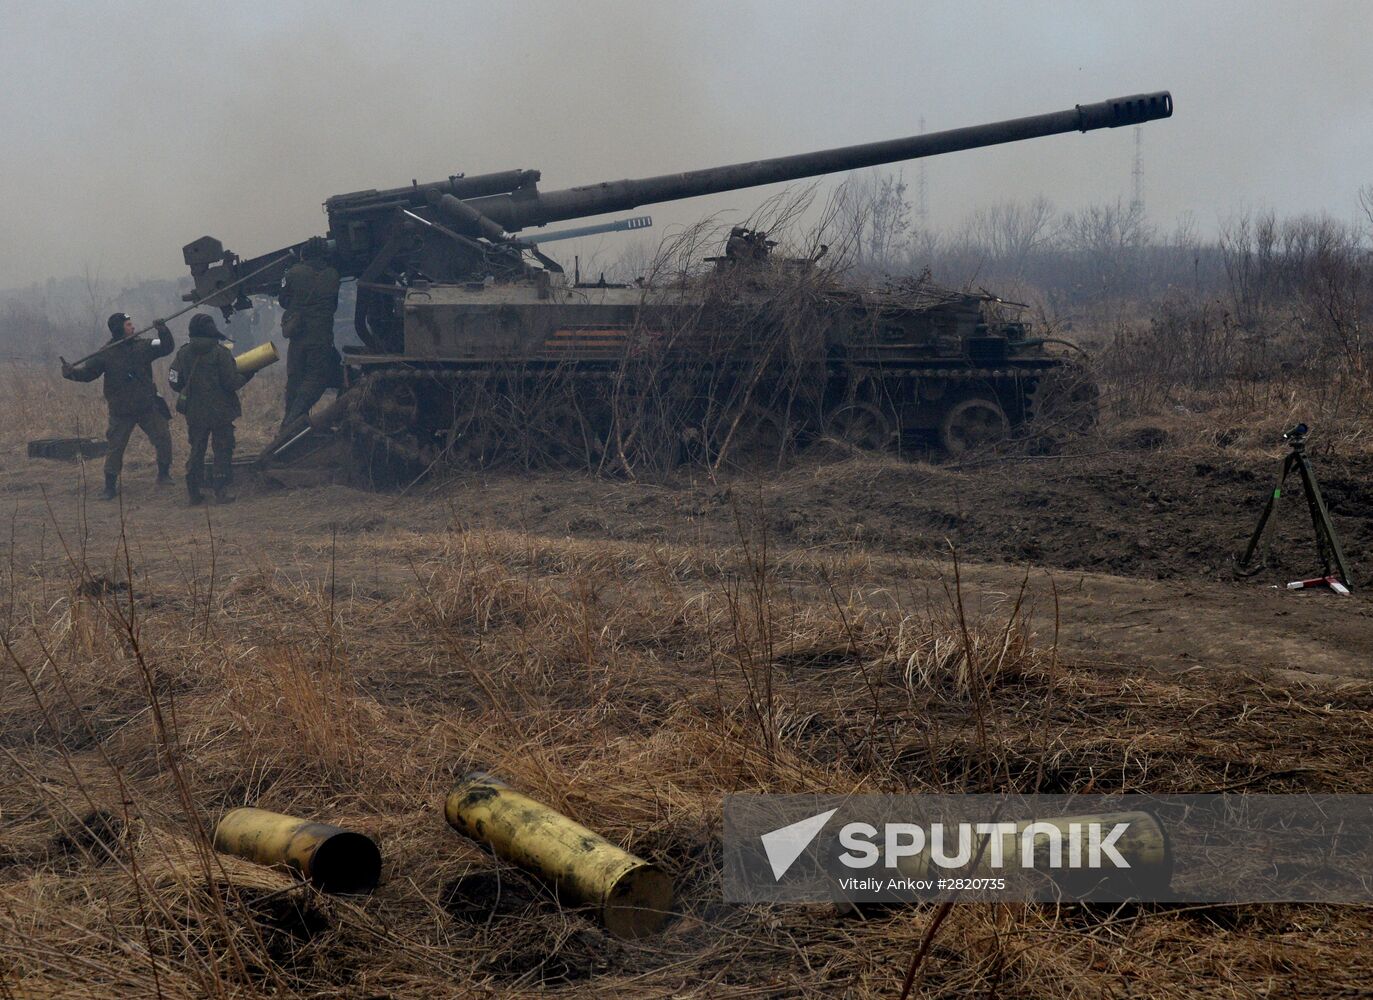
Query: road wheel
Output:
(972,424)
(473,441)
(397,407)
(861,425)
(761,439)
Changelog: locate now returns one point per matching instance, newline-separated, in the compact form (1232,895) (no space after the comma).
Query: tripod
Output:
(1335,571)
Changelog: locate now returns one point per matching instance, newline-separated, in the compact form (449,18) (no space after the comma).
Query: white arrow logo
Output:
(784,846)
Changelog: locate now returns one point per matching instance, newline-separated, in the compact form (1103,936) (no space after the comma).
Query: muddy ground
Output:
(1128,544)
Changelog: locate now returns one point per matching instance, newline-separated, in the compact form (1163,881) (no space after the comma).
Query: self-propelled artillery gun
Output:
(475,346)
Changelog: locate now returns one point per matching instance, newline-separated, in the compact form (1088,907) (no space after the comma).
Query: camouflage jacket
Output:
(127,366)
(309,294)
(205,372)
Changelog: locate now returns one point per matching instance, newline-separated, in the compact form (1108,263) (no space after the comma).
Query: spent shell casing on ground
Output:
(330,857)
(631,897)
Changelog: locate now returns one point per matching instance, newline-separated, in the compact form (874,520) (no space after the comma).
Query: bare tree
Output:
(1007,233)
(1248,246)
(1109,239)
(875,208)
(98,298)
(1328,270)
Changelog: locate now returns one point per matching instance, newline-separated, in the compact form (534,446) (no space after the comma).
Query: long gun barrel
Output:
(520,210)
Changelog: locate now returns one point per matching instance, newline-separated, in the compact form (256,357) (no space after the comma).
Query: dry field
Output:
(629,653)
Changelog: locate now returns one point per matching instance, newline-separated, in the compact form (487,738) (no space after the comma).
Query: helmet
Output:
(204,326)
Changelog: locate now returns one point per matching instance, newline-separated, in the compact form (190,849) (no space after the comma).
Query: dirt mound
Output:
(1146,513)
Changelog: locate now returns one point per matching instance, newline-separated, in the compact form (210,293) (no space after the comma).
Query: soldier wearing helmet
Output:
(207,382)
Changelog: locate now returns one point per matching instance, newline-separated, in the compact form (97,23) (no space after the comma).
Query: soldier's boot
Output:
(193,493)
(164,473)
(111,487)
(222,494)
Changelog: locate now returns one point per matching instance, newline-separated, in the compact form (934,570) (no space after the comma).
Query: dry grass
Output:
(1193,358)
(632,686)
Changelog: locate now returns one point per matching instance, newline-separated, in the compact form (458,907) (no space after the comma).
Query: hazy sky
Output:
(130,129)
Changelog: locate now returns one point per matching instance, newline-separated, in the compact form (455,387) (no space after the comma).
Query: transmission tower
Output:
(1137,202)
(922,206)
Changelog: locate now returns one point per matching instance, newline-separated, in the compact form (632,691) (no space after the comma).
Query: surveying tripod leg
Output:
(1327,541)
(1242,563)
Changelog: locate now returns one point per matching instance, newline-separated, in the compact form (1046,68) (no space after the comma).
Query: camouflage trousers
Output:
(311,368)
(121,427)
(200,436)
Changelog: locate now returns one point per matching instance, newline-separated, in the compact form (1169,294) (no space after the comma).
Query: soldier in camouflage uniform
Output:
(207,383)
(127,366)
(309,296)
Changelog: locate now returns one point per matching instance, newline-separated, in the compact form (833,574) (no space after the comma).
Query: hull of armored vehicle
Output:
(734,365)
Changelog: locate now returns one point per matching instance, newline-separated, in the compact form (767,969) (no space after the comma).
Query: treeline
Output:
(66,316)
(1108,251)
(1265,298)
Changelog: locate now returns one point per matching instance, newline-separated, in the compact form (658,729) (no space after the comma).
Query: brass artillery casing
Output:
(257,359)
(1144,845)
(334,859)
(632,897)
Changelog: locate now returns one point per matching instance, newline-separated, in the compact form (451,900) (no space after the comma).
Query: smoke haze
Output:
(131,129)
